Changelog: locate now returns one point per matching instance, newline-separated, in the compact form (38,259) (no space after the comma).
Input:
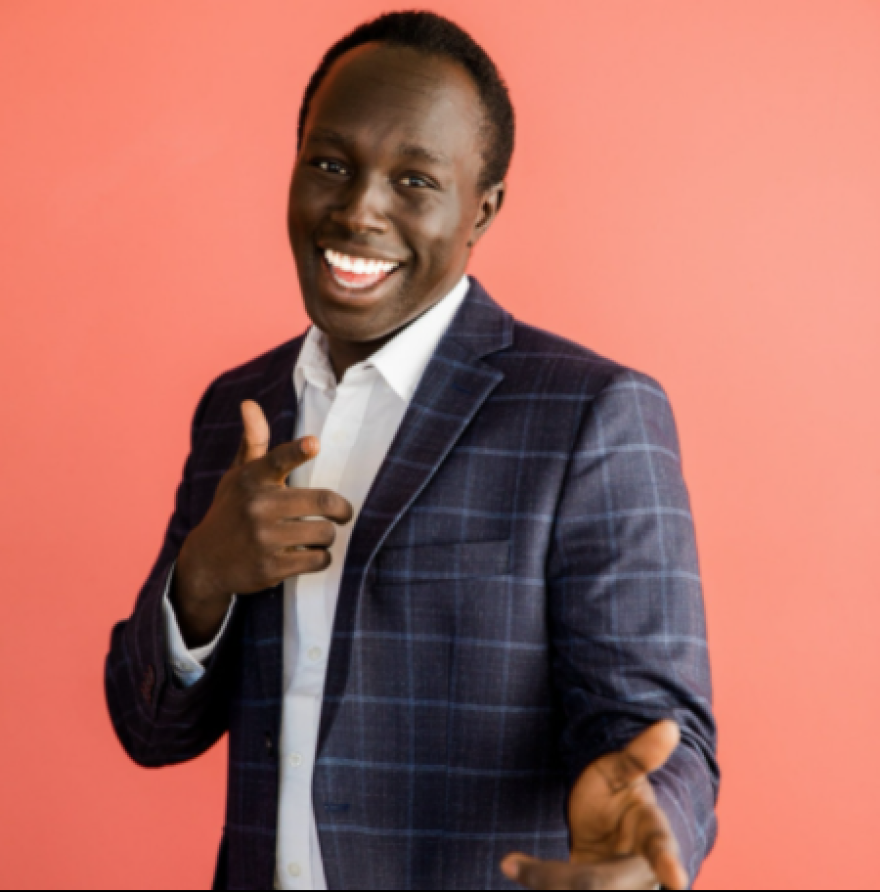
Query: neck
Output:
(345,354)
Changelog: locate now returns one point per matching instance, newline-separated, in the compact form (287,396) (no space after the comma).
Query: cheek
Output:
(305,204)
(439,234)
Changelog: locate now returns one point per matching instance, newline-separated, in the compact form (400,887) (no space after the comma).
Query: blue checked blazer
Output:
(521,596)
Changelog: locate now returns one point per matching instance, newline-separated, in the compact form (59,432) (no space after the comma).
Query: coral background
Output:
(698,186)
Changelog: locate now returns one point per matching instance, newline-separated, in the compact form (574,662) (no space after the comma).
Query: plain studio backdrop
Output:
(697,183)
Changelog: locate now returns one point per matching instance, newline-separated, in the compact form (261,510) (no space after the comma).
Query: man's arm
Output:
(158,720)
(626,606)
(257,533)
(188,662)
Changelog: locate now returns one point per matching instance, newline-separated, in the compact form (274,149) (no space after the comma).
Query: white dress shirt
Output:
(355,420)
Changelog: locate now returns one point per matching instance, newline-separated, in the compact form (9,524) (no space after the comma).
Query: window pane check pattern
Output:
(521,595)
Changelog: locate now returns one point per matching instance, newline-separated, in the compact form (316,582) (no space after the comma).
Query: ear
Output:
(490,205)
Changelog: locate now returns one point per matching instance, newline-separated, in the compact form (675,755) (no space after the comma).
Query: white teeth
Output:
(358,265)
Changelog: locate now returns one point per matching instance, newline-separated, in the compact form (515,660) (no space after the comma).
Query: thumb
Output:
(255,439)
(647,753)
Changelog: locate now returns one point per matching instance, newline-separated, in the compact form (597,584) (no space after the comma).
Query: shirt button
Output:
(339,438)
(295,760)
(294,869)
(315,654)
(182,667)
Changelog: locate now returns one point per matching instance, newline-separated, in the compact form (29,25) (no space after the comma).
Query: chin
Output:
(356,316)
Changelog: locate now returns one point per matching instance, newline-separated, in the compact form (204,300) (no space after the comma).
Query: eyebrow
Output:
(420,153)
(404,150)
(323,134)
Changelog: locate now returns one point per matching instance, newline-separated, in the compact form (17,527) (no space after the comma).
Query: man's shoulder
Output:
(572,381)
(256,380)
(555,363)
(262,368)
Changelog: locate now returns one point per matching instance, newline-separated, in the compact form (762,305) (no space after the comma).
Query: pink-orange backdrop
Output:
(700,180)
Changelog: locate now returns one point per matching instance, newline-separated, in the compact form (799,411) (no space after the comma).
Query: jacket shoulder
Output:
(254,380)
(548,368)
(262,367)
(537,355)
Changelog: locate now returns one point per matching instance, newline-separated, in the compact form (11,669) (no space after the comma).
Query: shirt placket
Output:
(315,606)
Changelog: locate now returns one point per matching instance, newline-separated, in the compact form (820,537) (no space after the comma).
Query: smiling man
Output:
(433,570)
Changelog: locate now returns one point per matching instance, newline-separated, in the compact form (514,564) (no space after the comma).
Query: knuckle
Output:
(254,510)
(326,501)
(262,536)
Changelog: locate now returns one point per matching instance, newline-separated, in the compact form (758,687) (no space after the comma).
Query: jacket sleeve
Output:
(159,721)
(626,605)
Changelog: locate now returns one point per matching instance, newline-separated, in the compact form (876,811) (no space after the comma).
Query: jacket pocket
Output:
(428,563)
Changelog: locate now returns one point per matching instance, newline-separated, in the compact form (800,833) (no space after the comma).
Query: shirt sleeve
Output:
(188,665)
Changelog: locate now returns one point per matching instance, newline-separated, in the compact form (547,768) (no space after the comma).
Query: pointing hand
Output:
(258,531)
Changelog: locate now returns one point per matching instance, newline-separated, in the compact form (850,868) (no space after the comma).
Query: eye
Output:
(415,181)
(328,165)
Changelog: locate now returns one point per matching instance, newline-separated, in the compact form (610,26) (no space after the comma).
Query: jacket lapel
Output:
(455,385)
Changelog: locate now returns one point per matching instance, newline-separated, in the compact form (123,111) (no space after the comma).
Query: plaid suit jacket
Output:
(521,596)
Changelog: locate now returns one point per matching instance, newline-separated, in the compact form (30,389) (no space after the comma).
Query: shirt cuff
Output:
(188,665)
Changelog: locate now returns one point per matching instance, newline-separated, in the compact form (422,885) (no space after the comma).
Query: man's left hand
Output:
(621,839)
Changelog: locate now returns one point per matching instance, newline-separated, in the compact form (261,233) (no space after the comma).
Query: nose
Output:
(361,210)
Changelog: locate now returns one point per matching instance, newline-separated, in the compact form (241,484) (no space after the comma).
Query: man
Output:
(432,569)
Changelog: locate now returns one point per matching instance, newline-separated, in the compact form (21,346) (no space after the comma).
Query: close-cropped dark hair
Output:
(434,35)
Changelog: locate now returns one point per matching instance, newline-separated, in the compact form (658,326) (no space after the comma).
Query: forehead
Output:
(390,94)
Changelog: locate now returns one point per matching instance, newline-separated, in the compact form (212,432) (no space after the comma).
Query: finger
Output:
(656,843)
(648,753)
(293,504)
(534,874)
(671,873)
(285,459)
(624,873)
(294,534)
(302,562)
(255,438)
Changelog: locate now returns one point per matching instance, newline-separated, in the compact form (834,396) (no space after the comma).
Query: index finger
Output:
(287,457)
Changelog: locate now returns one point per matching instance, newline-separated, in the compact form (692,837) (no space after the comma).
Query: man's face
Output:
(385,202)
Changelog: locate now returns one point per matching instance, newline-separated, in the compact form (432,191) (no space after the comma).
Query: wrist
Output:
(199,604)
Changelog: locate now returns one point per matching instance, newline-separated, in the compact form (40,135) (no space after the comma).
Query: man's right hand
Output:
(255,534)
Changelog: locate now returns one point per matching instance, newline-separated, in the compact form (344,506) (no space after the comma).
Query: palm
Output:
(620,837)
(604,809)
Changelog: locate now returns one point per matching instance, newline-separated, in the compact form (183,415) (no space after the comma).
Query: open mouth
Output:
(358,273)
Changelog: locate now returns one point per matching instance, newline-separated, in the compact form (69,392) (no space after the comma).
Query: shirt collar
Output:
(313,364)
(401,362)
